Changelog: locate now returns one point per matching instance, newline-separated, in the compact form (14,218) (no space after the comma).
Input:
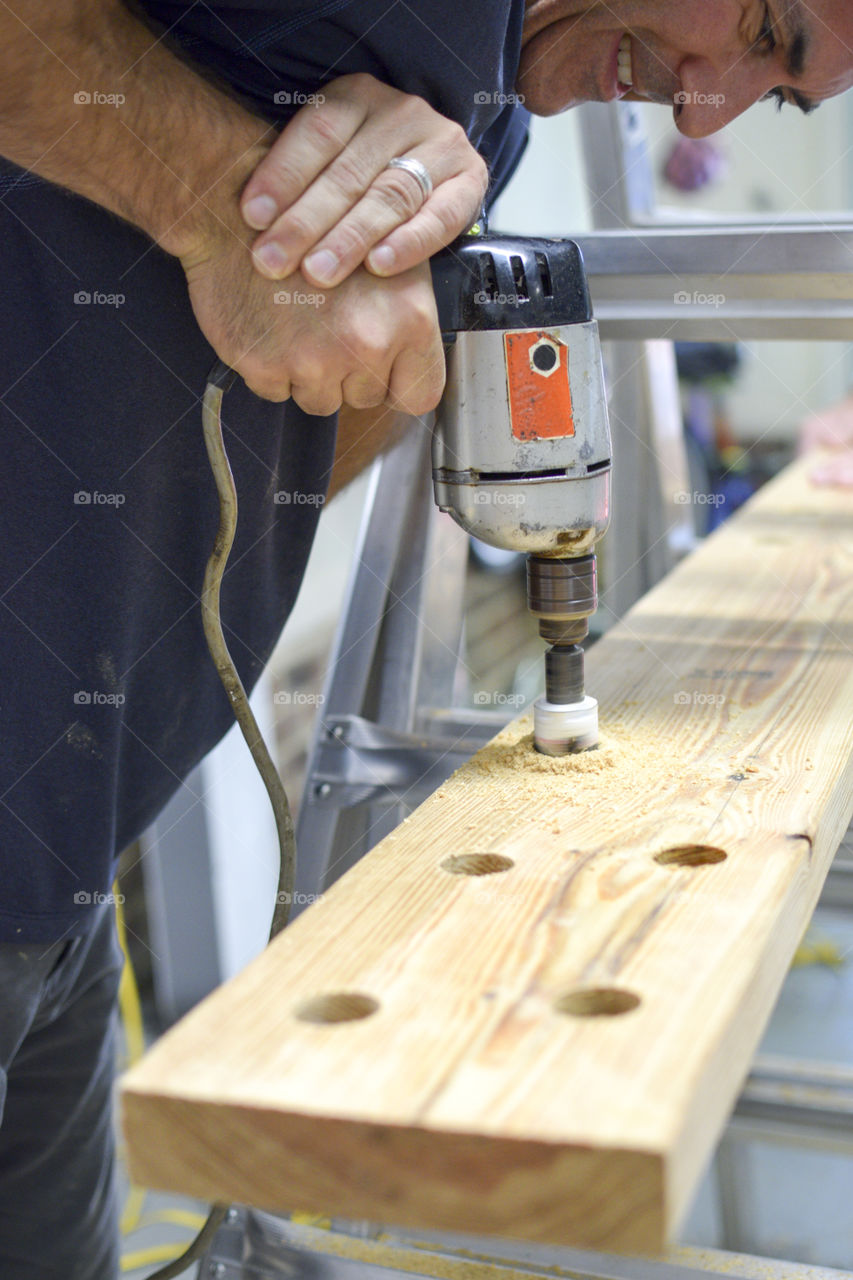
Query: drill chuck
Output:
(562,593)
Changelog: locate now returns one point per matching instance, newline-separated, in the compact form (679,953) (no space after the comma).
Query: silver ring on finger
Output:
(416,169)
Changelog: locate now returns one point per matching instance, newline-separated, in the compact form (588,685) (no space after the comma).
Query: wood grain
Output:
(470,1098)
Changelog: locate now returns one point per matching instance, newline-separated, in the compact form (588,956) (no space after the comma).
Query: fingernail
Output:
(322,266)
(260,211)
(381,259)
(271,260)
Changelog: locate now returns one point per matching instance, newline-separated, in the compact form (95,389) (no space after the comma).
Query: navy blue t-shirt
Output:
(461,57)
(108,696)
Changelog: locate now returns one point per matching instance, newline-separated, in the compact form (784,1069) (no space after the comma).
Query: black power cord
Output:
(218,382)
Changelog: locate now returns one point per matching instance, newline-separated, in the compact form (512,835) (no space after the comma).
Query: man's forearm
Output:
(92,100)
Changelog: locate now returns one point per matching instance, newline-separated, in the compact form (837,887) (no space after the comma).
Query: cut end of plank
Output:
(581,1197)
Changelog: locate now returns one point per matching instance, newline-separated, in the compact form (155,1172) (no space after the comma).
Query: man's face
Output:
(707,59)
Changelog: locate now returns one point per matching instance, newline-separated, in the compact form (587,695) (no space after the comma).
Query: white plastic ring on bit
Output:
(416,169)
(561,729)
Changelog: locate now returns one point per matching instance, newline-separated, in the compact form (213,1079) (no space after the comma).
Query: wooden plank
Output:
(479,1095)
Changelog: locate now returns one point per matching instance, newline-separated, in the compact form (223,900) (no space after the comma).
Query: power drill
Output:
(521,444)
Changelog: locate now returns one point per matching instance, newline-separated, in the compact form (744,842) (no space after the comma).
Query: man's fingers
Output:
(324,197)
(417,378)
(275,388)
(364,390)
(319,401)
(326,205)
(448,212)
(394,197)
(307,144)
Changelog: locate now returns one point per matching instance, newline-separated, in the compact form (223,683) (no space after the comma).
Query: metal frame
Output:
(263,1247)
(384,742)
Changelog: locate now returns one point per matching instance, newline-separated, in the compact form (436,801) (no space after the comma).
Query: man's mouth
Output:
(624,65)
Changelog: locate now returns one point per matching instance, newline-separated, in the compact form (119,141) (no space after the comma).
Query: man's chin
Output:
(546,70)
(542,100)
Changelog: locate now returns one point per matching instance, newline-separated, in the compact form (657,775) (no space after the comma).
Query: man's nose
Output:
(711,97)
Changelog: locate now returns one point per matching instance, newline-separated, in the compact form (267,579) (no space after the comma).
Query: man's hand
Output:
(369,341)
(831,428)
(365,343)
(328,202)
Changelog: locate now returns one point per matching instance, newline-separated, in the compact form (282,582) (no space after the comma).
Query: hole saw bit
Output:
(521,442)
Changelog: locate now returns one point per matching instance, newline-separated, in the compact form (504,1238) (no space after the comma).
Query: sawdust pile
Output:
(624,759)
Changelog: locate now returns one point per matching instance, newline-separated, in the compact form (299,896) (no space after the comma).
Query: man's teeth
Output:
(626,74)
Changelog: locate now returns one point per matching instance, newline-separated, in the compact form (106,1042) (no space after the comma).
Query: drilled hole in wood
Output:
(337,1006)
(476,864)
(691,855)
(596,1002)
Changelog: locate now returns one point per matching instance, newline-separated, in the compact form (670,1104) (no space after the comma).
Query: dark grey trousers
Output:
(58,1218)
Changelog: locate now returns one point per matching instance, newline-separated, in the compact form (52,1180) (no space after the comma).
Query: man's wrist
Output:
(212,215)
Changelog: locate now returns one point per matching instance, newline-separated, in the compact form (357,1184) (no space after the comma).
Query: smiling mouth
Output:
(624,62)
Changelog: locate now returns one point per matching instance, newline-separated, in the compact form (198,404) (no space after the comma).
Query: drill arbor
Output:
(521,445)
(562,594)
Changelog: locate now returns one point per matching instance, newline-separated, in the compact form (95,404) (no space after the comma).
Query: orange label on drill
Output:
(540,399)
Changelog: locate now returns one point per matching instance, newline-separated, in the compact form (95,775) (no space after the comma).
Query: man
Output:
(117,304)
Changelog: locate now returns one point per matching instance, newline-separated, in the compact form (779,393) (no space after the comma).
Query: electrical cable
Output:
(220,379)
(218,382)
